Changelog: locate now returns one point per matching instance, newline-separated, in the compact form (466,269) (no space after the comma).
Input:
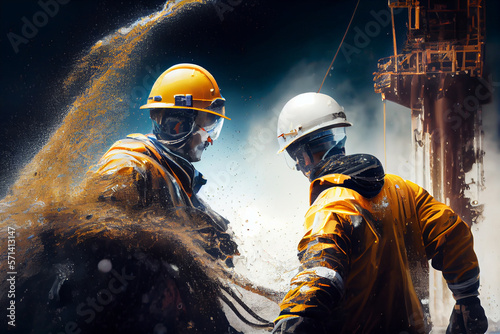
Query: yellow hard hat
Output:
(187,86)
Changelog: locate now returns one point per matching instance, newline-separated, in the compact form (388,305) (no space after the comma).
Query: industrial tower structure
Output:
(438,75)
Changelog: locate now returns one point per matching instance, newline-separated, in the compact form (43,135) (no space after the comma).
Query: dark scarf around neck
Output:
(365,171)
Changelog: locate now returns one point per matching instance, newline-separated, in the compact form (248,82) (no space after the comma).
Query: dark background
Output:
(248,49)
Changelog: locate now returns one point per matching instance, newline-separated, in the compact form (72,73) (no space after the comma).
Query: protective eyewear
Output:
(174,125)
(326,141)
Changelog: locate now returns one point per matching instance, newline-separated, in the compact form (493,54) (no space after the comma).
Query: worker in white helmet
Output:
(368,238)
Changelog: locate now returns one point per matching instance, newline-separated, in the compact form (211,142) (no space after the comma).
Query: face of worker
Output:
(186,132)
(195,146)
(312,149)
(305,164)
(207,129)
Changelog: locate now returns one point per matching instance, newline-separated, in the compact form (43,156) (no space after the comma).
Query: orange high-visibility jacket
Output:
(375,253)
(139,171)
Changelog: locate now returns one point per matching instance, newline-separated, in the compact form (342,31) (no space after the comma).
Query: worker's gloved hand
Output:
(298,325)
(467,317)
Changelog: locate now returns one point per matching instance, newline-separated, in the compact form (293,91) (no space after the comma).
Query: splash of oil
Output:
(50,178)
(46,190)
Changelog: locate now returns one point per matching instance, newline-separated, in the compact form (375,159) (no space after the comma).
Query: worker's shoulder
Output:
(136,151)
(399,182)
(135,142)
(334,196)
(393,179)
(336,191)
(338,199)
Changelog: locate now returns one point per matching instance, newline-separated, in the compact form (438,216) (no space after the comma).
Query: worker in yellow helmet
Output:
(140,171)
(368,238)
(187,110)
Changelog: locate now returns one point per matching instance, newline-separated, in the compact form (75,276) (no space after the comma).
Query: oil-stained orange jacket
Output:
(139,171)
(375,253)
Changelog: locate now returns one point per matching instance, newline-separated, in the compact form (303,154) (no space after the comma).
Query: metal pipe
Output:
(394,42)
(417,15)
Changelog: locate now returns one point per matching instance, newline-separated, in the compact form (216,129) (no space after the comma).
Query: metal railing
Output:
(437,58)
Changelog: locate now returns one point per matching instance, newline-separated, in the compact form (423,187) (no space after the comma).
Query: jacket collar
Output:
(362,173)
(189,176)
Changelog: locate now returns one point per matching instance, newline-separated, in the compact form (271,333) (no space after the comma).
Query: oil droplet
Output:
(104,266)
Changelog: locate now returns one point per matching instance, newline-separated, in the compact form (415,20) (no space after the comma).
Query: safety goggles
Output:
(327,141)
(210,119)
(175,125)
(210,123)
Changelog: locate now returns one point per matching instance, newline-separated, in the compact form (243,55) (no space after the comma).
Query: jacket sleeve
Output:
(448,243)
(324,255)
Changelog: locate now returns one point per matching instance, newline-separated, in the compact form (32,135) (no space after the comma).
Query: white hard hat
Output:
(307,113)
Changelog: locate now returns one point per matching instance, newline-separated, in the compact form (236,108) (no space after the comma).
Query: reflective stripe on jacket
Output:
(374,253)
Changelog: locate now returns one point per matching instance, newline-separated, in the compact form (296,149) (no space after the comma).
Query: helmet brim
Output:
(314,129)
(159,105)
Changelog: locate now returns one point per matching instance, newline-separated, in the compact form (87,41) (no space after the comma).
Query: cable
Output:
(242,318)
(340,45)
(385,147)
(242,304)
